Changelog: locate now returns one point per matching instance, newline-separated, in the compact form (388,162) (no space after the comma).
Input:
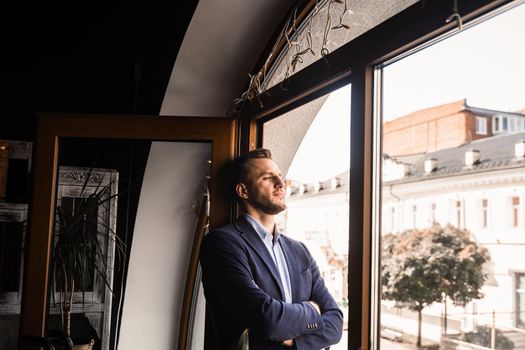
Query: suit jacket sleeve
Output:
(227,278)
(331,314)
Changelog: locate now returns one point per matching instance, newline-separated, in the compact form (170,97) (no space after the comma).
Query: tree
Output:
(420,267)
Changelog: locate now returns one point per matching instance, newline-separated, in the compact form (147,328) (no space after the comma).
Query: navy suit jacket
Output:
(243,291)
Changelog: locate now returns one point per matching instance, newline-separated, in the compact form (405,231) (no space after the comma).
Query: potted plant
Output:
(80,249)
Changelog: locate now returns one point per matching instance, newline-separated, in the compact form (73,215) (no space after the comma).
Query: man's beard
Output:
(267,206)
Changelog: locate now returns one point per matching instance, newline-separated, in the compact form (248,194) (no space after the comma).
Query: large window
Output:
(431,101)
(312,146)
(392,193)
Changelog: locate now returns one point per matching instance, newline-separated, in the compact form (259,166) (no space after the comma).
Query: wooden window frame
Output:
(355,63)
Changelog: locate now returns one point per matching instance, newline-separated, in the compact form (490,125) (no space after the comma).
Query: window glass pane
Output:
(434,102)
(481,125)
(496,123)
(520,296)
(311,144)
(485,213)
(361,16)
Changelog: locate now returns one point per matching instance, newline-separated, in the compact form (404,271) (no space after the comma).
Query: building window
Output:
(520,124)
(392,219)
(505,124)
(485,212)
(495,125)
(414,216)
(519,296)
(512,125)
(515,211)
(459,211)
(481,125)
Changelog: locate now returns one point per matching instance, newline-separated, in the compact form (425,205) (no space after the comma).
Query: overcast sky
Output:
(484,64)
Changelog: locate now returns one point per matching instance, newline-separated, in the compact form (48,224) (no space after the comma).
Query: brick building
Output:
(445,126)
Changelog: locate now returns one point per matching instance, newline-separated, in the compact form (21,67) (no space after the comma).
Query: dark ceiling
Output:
(88,57)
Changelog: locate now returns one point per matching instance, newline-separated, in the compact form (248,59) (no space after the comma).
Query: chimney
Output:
(519,149)
(430,165)
(472,157)
(334,183)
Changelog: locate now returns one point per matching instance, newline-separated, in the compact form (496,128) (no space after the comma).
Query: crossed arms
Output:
(227,276)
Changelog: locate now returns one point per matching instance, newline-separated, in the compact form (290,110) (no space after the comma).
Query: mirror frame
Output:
(220,132)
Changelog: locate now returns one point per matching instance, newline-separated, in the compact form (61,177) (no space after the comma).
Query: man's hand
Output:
(316,307)
(288,342)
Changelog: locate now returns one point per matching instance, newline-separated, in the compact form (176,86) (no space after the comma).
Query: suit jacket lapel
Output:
(249,234)
(293,267)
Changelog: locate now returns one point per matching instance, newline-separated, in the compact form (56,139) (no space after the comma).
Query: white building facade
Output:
(482,192)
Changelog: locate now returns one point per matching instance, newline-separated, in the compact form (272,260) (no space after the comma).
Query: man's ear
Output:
(242,190)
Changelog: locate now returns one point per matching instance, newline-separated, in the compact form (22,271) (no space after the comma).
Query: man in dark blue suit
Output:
(258,279)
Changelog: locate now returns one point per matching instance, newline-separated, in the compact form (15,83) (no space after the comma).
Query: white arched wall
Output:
(211,69)
(223,42)
(162,242)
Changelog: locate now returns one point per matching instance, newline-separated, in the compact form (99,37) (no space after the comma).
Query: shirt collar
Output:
(262,232)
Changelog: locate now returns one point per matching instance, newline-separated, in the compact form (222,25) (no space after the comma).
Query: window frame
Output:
(481,122)
(496,127)
(516,274)
(458,213)
(433,210)
(485,212)
(505,124)
(515,208)
(356,63)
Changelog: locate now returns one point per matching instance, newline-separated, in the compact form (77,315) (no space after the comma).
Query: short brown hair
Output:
(240,167)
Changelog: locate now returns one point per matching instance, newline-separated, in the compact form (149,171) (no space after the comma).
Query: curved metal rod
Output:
(455,14)
(459,21)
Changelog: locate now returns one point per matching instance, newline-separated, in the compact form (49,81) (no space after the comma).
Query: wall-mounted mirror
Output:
(115,211)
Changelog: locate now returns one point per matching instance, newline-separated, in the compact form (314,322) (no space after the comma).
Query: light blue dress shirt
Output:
(274,248)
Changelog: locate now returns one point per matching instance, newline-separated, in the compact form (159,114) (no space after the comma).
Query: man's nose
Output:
(278,182)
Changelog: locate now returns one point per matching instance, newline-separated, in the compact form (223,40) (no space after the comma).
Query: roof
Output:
(323,187)
(443,110)
(496,153)
(492,112)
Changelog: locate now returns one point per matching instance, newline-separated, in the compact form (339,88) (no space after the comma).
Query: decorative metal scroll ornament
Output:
(290,35)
